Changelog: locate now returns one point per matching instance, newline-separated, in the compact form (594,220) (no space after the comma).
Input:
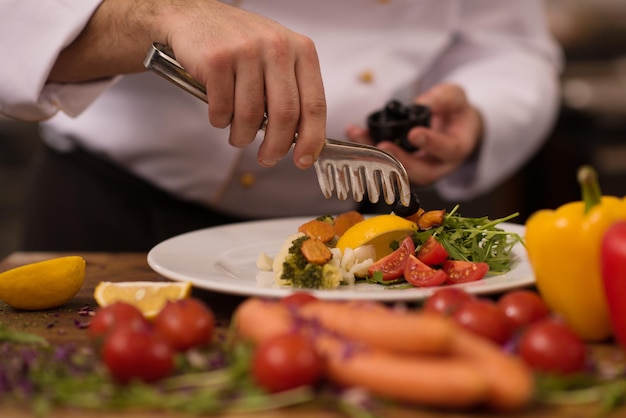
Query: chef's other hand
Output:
(249,63)
(453,137)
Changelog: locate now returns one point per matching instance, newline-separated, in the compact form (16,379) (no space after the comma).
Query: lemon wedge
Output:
(149,297)
(379,231)
(43,285)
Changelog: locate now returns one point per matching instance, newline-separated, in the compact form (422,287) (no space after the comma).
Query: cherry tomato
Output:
(523,307)
(116,314)
(465,271)
(432,252)
(420,275)
(483,317)
(447,300)
(297,299)
(185,323)
(392,265)
(137,353)
(286,362)
(551,346)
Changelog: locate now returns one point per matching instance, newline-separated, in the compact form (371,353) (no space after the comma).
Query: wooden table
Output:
(59,326)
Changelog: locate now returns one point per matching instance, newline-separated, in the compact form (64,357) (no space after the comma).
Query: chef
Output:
(130,159)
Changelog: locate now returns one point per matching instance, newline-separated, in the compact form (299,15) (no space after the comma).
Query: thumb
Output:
(443,98)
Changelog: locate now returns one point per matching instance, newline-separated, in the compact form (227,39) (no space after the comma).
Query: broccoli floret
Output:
(299,273)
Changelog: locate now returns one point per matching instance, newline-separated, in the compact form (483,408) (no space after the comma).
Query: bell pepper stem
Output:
(590,189)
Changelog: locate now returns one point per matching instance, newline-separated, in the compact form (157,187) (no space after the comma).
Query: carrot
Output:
(345,220)
(511,384)
(259,320)
(320,230)
(362,346)
(431,219)
(434,381)
(437,381)
(375,324)
(315,251)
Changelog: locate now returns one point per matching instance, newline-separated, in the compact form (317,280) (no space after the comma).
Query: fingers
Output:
(250,65)
(359,135)
(444,98)
(296,103)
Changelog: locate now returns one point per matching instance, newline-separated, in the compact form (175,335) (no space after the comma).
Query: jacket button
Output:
(247,180)
(366,77)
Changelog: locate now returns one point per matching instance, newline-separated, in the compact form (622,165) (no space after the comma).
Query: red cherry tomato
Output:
(185,323)
(465,271)
(114,315)
(552,347)
(286,362)
(523,307)
(420,275)
(137,353)
(483,317)
(392,265)
(297,299)
(432,252)
(447,300)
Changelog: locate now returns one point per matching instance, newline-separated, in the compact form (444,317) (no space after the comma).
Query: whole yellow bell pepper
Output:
(564,248)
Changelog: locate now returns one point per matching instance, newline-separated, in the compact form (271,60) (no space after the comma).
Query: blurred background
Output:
(591,128)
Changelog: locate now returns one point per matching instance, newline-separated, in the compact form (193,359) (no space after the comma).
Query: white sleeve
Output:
(39,30)
(507,62)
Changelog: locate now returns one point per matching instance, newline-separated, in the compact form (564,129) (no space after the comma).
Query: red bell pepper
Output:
(613,263)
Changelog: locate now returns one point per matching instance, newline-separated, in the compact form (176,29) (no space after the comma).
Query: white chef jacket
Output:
(370,51)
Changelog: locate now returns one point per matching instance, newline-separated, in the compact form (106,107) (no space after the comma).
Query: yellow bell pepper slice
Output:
(563,247)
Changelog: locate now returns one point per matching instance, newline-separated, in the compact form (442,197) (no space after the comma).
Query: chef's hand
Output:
(247,62)
(453,137)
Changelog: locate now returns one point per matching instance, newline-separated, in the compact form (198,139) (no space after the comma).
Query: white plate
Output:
(223,259)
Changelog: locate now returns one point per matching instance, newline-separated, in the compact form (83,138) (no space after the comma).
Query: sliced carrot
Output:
(315,251)
(431,219)
(345,220)
(320,230)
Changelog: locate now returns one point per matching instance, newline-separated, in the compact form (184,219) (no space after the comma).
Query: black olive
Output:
(395,110)
(405,211)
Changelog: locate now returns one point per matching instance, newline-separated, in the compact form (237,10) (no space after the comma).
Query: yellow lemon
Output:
(379,231)
(44,284)
(149,297)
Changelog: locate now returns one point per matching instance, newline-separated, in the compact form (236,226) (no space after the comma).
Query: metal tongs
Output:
(341,165)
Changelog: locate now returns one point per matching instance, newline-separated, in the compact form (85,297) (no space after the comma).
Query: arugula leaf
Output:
(475,239)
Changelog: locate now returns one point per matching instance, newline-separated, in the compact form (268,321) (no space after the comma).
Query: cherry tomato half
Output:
(114,315)
(551,346)
(432,252)
(392,265)
(137,353)
(420,275)
(447,300)
(523,307)
(286,361)
(185,323)
(483,317)
(465,271)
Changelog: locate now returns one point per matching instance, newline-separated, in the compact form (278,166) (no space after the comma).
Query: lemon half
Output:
(149,297)
(379,231)
(44,284)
